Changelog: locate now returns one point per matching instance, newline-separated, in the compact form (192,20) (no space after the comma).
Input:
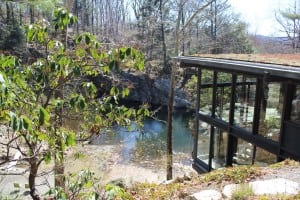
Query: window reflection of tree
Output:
(295,112)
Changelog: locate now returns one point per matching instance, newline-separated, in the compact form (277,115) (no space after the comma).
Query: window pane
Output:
(244,102)
(223,96)
(264,158)
(206,92)
(203,141)
(295,113)
(244,153)
(220,148)
(271,109)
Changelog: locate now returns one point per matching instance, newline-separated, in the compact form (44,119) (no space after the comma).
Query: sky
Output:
(260,15)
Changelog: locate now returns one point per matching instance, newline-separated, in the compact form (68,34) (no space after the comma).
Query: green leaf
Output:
(70,139)
(94,53)
(79,155)
(78,39)
(114,91)
(4,116)
(87,39)
(73,19)
(98,119)
(51,45)
(113,65)
(44,116)
(27,124)
(58,103)
(73,101)
(30,33)
(65,22)
(106,69)
(14,121)
(78,102)
(128,51)
(125,92)
(82,104)
(47,157)
(121,54)
(42,136)
(91,88)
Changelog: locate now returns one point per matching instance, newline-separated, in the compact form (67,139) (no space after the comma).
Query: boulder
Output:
(266,187)
(144,89)
(206,194)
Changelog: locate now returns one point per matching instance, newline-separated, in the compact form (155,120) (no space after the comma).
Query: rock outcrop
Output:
(144,89)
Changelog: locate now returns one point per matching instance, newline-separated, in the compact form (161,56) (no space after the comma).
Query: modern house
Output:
(246,112)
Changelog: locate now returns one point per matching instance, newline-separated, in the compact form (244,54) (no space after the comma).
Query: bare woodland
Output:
(160,28)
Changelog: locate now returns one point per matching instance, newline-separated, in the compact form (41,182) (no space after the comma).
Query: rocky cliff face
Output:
(145,89)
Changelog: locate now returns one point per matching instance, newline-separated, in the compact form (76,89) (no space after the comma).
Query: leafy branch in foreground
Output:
(37,99)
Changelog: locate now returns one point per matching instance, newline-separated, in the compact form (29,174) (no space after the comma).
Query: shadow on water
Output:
(147,145)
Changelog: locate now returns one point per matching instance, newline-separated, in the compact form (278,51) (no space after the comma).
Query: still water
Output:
(147,145)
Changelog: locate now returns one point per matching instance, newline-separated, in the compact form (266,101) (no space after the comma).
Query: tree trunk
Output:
(171,102)
(170,125)
(8,12)
(93,8)
(59,169)
(164,47)
(182,32)
(31,11)
(20,16)
(177,31)
(77,15)
(32,176)
(86,16)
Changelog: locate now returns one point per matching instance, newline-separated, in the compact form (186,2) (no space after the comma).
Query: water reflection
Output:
(147,146)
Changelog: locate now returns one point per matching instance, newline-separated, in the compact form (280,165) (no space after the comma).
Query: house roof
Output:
(273,65)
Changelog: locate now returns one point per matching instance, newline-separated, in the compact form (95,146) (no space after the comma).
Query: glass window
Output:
(244,102)
(263,157)
(203,141)
(295,112)
(271,110)
(223,96)
(206,92)
(220,148)
(244,153)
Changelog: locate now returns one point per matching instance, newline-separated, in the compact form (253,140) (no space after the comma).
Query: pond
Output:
(146,147)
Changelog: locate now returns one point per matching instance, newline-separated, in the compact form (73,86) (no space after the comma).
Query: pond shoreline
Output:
(103,160)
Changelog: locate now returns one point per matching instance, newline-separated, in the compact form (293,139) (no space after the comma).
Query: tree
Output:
(36,99)
(163,37)
(217,29)
(178,31)
(290,22)
(182,25)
